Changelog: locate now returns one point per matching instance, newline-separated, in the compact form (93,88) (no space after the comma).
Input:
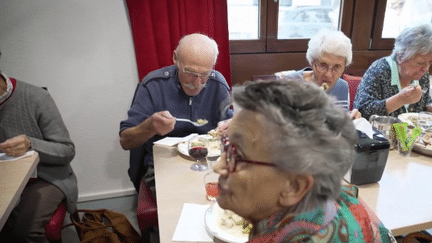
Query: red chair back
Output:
(146,209)
(353,82)
(54,227)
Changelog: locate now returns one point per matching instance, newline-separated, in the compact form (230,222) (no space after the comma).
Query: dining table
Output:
(400,199)
(14,175)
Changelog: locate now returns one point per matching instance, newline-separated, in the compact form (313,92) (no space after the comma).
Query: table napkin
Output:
(363,125)
(171,141)
(191,226)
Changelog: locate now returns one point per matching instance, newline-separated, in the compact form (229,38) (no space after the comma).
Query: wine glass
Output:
(424,121)
(197,148)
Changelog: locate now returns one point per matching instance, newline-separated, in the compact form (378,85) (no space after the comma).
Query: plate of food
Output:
(226,225)
(424,145)
(214,146)
(410,118)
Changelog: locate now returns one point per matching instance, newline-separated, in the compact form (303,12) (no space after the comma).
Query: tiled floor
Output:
(124,205)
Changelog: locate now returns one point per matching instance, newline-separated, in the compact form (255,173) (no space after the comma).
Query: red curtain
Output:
(158,25)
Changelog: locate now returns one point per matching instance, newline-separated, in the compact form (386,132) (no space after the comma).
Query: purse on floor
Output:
(103,226)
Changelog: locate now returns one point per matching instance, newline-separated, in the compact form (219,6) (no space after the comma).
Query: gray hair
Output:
(188,40)
(308,135)
(330,41)
(412,41)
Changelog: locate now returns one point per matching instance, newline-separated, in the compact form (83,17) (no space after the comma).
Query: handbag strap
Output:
(416,237)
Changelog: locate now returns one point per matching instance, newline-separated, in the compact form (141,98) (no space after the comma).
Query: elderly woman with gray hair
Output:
(285,154)
(399,83)
(329,52)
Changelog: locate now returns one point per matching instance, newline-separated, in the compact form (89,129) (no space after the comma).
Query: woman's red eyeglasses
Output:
(233,159)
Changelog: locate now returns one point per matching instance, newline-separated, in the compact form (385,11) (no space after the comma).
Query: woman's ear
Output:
(295,189)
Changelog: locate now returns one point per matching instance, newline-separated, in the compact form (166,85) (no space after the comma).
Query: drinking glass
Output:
(404,150)
(211,182)
(197,148)
(424,121)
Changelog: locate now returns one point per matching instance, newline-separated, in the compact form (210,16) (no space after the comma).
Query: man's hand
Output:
(162,122)
(16,146)
(159,123)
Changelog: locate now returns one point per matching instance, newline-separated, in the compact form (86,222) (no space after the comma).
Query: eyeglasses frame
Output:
(232,167)
(318,63)
(195,74)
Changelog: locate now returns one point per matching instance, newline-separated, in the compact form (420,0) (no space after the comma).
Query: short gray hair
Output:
(412,41)
(330,41)
(189,40)
(309,133)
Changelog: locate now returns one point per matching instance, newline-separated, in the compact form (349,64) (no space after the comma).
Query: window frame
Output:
(268,42)
(377,42)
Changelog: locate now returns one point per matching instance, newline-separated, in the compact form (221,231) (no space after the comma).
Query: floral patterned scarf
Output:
(345,220)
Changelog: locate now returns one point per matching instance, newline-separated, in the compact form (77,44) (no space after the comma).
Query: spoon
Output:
(194,123)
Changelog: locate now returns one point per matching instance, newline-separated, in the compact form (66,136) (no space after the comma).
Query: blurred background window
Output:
(304,18)
(296,18)
(243,19)
(400,14)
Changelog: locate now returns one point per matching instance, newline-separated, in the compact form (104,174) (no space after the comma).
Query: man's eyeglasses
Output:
(324,67)
(233,159)
(196,75)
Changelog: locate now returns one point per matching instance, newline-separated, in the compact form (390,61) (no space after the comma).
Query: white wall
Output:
(82,50)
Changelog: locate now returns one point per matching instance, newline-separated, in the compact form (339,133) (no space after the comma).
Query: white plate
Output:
(183,148)
(406,117)
(420,148)
(212,218)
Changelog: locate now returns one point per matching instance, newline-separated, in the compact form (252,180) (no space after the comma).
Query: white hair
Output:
(332,42)
(412,41)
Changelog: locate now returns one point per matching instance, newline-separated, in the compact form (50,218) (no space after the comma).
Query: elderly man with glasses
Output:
(189,89)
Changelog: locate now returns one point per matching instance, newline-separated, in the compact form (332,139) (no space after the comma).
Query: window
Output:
(260,26)
(398,14)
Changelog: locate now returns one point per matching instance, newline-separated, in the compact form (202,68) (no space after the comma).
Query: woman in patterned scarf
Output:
(286,152)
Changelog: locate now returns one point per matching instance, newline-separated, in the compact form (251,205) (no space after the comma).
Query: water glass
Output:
(404,150)
(211,185)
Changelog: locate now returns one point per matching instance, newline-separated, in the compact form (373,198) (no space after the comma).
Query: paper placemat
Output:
(191,226)
(171,141)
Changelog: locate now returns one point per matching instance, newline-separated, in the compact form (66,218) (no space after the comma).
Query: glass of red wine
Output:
(197,148)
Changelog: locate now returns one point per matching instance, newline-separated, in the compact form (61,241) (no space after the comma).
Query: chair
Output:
(353,82)
(53,228)
(146,211)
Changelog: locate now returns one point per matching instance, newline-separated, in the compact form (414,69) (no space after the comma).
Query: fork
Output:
(194,123)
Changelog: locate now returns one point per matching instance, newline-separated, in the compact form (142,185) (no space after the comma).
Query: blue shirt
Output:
(340,91)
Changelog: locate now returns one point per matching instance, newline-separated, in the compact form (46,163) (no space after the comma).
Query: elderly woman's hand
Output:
(223,127)
(16,146)
(354,114)
(410,94)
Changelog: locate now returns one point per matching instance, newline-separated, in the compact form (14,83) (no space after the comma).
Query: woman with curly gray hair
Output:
(393,85)
(285,154)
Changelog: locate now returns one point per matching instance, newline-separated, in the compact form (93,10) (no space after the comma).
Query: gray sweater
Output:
(32,111)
